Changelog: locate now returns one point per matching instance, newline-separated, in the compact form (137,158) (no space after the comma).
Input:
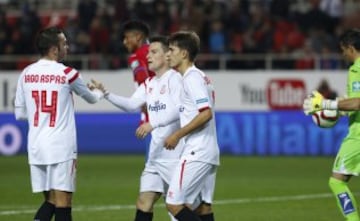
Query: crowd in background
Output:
(285,27)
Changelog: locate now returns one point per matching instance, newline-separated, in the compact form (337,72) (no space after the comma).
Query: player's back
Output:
(50,111)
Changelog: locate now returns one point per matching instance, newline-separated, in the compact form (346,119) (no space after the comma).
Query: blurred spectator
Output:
(162,20)
(86,12)
(217,38)
(238,27)
(327,61)
(306,56)
(28,26)
(5,33)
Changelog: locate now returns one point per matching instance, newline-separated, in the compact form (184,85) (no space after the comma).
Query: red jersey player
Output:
(135,39)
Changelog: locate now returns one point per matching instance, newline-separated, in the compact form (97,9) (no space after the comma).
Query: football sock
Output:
(143,216)
(187,215)
(63,214)
(207,217)
(345,199)
(45,212)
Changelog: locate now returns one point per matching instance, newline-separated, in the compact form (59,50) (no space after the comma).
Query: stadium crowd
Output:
(301,28)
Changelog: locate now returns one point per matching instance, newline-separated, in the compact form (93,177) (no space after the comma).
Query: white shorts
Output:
(192,180)
(156,176)
(60,176)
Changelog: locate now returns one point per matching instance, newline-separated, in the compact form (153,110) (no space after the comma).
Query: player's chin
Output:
(152,67)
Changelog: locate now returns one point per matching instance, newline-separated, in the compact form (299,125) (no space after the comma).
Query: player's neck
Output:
(161,71)
(50,57)
(184,66)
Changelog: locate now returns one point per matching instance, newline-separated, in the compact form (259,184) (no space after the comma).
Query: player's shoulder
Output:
(174,75)
(149,80)
(355,68)
(194,73)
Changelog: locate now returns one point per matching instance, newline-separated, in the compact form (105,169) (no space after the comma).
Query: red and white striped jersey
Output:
(44,98)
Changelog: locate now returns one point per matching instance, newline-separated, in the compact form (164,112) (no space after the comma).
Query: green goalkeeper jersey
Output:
(353,90)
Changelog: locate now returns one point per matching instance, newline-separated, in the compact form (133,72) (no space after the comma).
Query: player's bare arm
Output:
(349,104)
(200,120)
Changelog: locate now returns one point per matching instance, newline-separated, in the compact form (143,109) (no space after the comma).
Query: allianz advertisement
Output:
(257,113)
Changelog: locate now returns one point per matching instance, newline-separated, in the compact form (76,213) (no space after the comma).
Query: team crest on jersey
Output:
(150,90)
(355,87)
(134,64)
(163,89)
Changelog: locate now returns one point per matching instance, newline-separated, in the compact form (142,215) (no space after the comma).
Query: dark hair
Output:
(351,38)
(48,38)
(187,40)
(136,25)
(163,40)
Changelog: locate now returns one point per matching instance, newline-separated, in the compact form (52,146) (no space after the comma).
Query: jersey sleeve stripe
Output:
(74,77)
(204,108)
(68,70)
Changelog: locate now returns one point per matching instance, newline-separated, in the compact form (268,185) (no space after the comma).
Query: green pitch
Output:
(248,188)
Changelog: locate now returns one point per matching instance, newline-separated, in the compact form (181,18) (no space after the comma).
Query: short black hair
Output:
(48,38)
(163,40)
(136,25)
(187,40)
(351,37)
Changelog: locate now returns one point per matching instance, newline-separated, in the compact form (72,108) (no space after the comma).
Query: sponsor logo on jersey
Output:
(157,106)
(355,87)
(202,100)
(134,64)
(345,202)
(285,93)
(181,109)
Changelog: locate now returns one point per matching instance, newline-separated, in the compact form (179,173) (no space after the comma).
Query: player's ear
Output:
(184,53)
(53,50)
(352,49)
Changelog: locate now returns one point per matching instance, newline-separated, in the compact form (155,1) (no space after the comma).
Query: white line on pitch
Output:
(216,202)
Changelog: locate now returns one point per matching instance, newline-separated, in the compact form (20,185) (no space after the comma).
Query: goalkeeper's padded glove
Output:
(313,103)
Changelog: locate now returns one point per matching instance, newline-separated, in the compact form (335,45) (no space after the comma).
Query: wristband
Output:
(329,104)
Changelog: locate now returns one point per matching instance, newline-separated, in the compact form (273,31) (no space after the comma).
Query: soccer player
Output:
(196,172)
(135,39)
(347,161)
(44,98)
(161,95)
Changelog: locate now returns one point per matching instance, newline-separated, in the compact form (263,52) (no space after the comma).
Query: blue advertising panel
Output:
(286,133)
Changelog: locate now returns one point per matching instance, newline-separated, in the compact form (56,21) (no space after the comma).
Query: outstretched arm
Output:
(315,102)
(128,104)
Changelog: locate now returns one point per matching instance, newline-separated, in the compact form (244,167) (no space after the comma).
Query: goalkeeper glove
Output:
(313,103)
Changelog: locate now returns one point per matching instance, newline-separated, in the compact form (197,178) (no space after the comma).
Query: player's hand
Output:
(171,141)
(96,84)
(143,130)
(313,103)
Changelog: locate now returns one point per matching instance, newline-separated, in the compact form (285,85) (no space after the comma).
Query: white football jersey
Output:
(44,98)
(198,94)
(162,97)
